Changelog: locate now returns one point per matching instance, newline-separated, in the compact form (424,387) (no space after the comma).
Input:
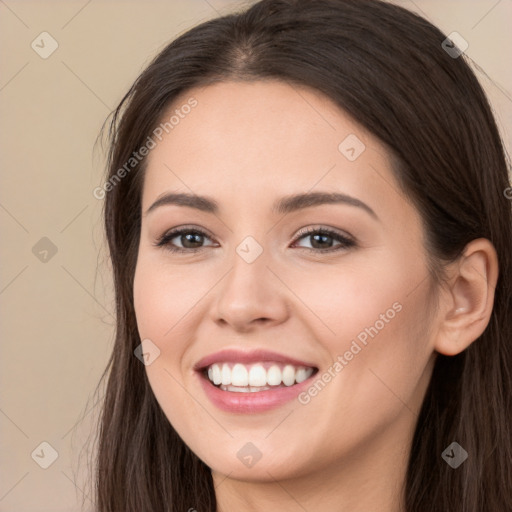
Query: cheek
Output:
(164,297)
(162,300)
(374,323)
(343,301)
(388,376)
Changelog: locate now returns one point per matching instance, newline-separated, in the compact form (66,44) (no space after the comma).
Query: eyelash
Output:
(345,242)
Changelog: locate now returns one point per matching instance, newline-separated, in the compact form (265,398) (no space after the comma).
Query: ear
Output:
(467,305)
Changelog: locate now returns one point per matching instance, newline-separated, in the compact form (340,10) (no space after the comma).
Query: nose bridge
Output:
(250,291)
(248,278)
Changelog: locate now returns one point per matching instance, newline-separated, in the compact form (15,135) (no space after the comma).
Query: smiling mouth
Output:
(252,378)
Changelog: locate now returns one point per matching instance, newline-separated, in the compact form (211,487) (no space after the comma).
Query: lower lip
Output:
(252,402)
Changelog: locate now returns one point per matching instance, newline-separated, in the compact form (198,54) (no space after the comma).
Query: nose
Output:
(250,295)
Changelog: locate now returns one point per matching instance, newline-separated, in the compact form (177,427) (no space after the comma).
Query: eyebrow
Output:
(284,205)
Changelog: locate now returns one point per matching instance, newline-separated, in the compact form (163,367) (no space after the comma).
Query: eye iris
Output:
(189,237)
(322,237)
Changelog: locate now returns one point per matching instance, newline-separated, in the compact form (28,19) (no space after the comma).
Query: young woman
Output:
(308,219)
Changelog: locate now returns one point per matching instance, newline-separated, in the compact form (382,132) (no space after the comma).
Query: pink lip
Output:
(231,401)
(254,356)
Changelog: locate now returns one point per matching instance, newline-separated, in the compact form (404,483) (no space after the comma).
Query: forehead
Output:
(256,140)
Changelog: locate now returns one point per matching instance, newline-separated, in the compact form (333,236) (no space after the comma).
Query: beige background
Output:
(56,322)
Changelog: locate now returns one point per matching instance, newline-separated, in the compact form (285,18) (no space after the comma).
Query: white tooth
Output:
(302,374)
(289,375)
(226,374)
(257,375)
(274,376)
(216,374)
(239,375)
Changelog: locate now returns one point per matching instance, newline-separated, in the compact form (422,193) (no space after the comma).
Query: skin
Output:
(246,145)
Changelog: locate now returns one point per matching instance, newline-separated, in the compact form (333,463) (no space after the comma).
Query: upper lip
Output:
(245,357)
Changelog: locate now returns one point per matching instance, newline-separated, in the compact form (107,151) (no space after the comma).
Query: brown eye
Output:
(193,239)
(190,239)
(321,240)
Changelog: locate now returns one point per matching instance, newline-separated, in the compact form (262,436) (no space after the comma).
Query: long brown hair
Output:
(386,67)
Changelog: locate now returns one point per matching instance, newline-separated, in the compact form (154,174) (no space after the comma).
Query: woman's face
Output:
(352,304)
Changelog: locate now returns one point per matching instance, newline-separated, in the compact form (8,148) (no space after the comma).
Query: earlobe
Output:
(467,306)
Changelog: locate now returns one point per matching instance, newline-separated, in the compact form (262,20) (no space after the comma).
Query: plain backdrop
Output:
(55,288)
